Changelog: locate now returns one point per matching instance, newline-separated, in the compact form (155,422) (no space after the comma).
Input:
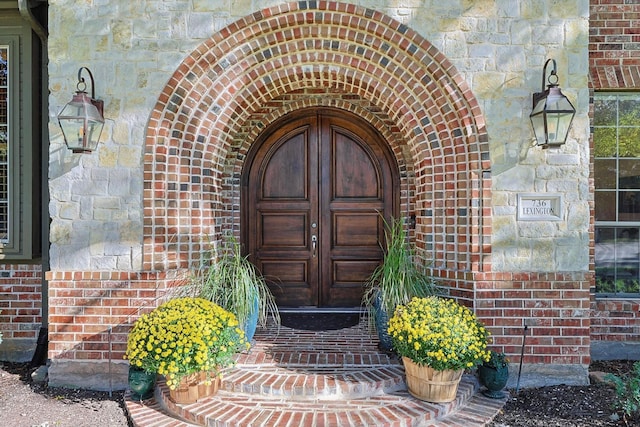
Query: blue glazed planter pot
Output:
(494,379)
(382,325)
(141,383)
(251,324)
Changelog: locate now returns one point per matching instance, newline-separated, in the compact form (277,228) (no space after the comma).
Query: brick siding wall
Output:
(614,49)
(20,310)
(90,313)
(553,306)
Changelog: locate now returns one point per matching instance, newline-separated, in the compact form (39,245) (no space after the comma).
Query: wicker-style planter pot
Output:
(195,387)
(425,383)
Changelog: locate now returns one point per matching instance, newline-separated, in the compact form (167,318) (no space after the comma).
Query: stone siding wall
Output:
(137,49)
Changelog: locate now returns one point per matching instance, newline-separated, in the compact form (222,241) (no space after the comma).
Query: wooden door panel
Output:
(354,201)
(282,231)
(350,273)
(283,194)
(326,174)
(356,229)
(347,280)
(354,173)
(288,280)
(283,254)
(286,169)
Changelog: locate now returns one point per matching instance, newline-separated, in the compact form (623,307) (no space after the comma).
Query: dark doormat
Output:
(319,321)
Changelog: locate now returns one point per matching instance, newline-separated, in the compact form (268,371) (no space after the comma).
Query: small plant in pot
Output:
(494,375)
(394,282)
(230,280)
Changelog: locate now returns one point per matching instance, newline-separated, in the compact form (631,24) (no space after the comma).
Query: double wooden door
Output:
(315,189)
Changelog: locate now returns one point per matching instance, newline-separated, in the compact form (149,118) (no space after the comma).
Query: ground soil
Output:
(568,406)
(24,403)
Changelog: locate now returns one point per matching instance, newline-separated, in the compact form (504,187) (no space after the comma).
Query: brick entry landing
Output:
(294,378)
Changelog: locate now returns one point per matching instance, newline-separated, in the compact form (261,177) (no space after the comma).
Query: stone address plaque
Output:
(539,207)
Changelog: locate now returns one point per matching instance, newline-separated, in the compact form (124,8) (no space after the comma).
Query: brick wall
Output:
(614,55)
(553,306)
(614,61)
(90,313)
(20,310)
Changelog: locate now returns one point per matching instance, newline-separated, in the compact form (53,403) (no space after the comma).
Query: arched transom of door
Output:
(316,186)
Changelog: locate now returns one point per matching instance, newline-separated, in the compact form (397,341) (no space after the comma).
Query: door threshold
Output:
(316,310)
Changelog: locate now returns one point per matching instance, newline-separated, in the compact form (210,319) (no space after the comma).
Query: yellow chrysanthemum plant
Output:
(184,336)
(440,333)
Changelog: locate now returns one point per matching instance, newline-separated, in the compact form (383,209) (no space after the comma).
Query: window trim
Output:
(26,133)
(616,223)
(11,245)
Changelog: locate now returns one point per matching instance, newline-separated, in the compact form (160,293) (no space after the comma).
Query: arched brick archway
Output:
(301,54)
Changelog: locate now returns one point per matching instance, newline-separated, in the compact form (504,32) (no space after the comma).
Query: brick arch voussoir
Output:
(187,90)
(184,109)
(379,121)
(361,20)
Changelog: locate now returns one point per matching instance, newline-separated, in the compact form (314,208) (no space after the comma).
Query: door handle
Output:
(314,242)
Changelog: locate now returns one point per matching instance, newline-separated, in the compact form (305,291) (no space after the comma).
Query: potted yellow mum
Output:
(188,341)
(438,339)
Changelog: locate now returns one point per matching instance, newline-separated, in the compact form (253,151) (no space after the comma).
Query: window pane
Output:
(629,206)
(629,111)
(604,142)
(605,173)
(607,111)
(605,205)
(627,262)
(4,54)
(617,259)
(628,174)
(629,142)
(605,259)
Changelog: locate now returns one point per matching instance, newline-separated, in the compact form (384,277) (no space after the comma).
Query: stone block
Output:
(91,375)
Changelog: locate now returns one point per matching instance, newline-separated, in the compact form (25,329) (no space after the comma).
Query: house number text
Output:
(539,207)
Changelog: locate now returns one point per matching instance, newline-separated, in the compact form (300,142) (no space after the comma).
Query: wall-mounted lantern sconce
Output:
(81,119)
(552,112)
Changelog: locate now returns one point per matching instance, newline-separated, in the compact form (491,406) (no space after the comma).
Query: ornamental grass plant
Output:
(184,336)
(229,279)
(440,333)
(398,278)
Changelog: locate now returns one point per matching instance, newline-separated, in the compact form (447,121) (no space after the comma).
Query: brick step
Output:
(305,382)
(293,378)
(397,409)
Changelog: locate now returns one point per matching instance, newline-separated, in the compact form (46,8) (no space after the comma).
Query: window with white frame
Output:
(616,140)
